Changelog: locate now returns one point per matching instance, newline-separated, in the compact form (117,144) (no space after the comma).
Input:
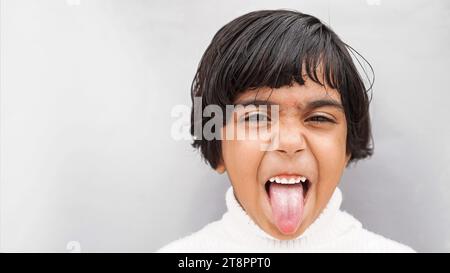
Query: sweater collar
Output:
(322,229)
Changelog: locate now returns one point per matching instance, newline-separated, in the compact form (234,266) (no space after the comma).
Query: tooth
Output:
(292,181)
(272,179)
(303,179)
(284,181)
(297,179)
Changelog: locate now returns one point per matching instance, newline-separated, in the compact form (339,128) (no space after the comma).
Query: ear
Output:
(347,158)
(220,168)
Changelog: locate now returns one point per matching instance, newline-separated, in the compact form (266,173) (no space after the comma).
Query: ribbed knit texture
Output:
(333,231)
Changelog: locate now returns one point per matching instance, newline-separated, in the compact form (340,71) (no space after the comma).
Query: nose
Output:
(291,140)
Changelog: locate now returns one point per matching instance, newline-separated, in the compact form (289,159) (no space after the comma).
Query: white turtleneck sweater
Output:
(333,231)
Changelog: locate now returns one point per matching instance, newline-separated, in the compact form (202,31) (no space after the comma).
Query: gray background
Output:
(87,161)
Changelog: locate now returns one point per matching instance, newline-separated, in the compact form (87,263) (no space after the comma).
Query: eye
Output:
(257,117)
(320,119)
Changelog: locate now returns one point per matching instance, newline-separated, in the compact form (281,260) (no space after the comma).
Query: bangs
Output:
(275,51)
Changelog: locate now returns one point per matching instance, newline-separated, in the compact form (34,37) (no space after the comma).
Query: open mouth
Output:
(305,185)
(287,196)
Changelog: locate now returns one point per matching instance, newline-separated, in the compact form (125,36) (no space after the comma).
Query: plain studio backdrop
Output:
(88,162)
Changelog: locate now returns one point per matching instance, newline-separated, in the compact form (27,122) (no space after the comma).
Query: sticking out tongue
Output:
(287,206)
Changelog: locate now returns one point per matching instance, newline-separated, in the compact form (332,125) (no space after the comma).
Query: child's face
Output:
(307,146)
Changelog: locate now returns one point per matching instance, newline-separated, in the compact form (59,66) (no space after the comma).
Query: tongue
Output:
(287,206)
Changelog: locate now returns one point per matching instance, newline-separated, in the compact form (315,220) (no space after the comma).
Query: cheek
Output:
(241,159)
(241,155)
(330,153)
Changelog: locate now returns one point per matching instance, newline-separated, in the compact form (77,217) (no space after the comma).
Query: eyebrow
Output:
(311,105)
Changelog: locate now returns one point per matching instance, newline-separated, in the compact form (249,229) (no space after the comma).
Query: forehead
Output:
(290,96)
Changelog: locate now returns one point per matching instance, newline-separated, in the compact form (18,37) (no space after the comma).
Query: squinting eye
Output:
(257,117)
(320,119)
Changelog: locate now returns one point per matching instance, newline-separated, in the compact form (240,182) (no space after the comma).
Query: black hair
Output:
(274,48)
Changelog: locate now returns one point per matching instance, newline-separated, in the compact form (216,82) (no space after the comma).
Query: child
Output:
(284,195)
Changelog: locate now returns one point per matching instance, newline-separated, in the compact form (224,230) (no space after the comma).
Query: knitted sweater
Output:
(333,231)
